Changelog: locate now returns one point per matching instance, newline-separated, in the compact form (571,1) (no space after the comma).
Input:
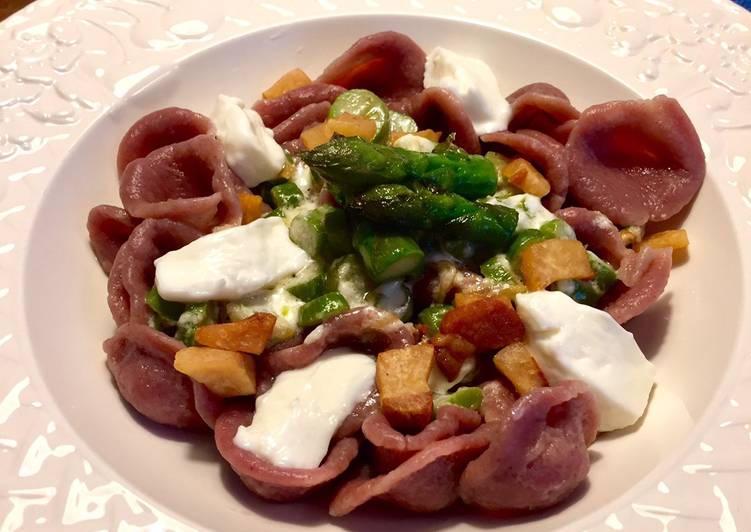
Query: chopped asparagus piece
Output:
(432,317)
(498,269)
(308,284)
(168,312)
(362,102)
(322,308)
(322,232)
(264,189)
(558,229)
(400,123)
(466,397)
(387,255)
(348,276)
(286,195)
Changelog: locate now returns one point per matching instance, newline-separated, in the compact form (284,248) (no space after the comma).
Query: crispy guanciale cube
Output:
(346,125)
(523,175)
(464,298)
(673,238)
(554,260)
(451,350)
(402,381)
(249,335)
(252,205)
(349,125)
(316,135)
(225,373)
(293,79)
(516,363)
(489,323)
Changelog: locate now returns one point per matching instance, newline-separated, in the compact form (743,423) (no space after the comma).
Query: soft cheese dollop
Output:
(574,341)
(415,143)
(230,264)
(249,146)
(473,82)
(295,420)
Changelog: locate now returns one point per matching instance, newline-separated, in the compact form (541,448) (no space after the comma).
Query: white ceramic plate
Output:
(73,77)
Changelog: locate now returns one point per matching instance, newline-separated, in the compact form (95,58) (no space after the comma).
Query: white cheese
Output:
(532,214)
(295,420)
(415,143)
(230,264)
(279,302)
(574,341)
(303,178)
(473,82)
(249,146)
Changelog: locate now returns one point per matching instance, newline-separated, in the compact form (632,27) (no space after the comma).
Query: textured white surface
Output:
(575,341)
(295,419)
(230,264)
(63,63)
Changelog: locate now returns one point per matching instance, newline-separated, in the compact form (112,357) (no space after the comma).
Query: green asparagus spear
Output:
(387,255)
(449,214)
(447,146)
(355,165)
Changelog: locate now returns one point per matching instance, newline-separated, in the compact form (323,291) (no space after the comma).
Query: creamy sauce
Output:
(295,420)
(279,302)
(532,214)
(230,264)
(415,143)
(574,341)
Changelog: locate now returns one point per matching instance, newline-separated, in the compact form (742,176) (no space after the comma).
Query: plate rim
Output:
(730,379)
